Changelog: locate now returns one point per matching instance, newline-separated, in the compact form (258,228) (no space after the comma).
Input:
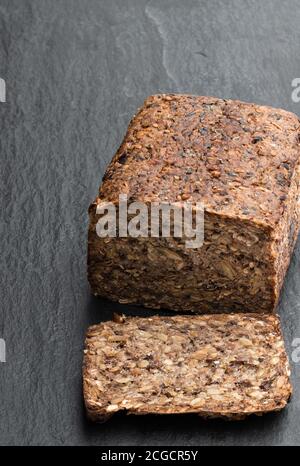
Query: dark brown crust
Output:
(237,158)
(242,161)
(227,366)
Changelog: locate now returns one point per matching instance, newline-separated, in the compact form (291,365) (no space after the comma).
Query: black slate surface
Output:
(75,73)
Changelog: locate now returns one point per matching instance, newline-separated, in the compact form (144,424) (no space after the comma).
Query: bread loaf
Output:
(241,161)
(217,365)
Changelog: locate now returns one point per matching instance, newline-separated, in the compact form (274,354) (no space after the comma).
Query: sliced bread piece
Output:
(217,365)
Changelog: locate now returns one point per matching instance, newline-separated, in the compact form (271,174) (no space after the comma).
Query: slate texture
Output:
(75,73)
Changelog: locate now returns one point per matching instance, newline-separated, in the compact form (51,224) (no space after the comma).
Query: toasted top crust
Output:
(214,365)
(237,158)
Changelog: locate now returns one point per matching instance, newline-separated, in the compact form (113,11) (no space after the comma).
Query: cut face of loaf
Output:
(241,161)
(217,365)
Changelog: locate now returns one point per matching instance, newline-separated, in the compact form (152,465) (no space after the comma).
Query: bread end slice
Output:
(219,365)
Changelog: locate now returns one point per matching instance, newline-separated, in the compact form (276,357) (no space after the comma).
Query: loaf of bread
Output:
(241,161)
(217,365)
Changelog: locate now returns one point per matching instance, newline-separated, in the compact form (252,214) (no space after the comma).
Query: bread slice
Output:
(217,365)
(242,162)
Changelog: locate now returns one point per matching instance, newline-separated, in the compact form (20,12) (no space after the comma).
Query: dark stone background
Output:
(75,72)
